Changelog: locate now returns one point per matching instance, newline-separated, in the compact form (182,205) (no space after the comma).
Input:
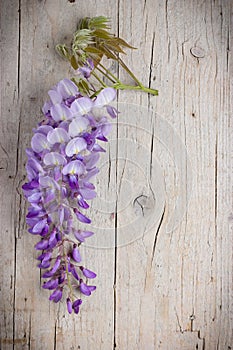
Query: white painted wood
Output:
(156,289)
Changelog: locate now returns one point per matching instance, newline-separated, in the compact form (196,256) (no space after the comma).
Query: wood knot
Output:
(143,204)
(197,52)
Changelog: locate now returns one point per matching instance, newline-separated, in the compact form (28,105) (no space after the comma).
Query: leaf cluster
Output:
(93,40)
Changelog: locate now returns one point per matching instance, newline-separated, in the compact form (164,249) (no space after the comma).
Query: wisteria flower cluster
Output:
(62,160)
(60,168)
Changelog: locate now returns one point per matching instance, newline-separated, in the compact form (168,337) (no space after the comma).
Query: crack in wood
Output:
(156,235)
(17,145)
(19,46)
(29,331)
(199,337)
(228,49)
(55,337)
(144,7)
(168,37)
(121,178)
(151,151)
(151,59)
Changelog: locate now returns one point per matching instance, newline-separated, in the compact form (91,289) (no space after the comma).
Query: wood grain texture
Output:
(159,286)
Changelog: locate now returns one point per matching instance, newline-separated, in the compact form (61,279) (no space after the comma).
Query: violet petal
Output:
(69,305)
(81,217)
(87,273)
(75,254)
(43,244)
(51,284)
(84,289)
(56,295)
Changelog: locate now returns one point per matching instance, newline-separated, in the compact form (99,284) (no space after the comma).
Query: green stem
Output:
(129,71)
(150,91)
(96,93)
(99,80)
(100,70)
(118,59)
(138,88)
(112,75)
(117,83)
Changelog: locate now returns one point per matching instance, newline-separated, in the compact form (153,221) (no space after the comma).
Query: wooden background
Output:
(159,289)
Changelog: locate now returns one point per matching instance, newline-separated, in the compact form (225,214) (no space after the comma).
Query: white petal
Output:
(34,197)
(81,106)
(54,158)
(55,96)
(76,145)
(44,129)
(34,163)
(47,181)
(47,107)
(105,96)
(59,112)
(74,167)
(91,160)
(77,126)
(67,88)
(39,142)
(58,135)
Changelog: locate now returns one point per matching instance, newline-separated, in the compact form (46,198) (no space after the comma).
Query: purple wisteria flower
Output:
(61,163)
(86,70)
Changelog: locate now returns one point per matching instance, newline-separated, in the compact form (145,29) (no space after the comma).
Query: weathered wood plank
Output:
(10,130)
(29,320)
(176,301)
(51,24)
(162,284)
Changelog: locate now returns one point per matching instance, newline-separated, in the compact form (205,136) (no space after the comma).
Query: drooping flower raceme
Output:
(61,165)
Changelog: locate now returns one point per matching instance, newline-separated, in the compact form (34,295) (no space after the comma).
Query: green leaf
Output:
(83,24)
(96,59)
(63,51)
(93,49)
(113,47)
(73,62)
(124,43)
(108,53)
(83,86)
(102,34)
(100,22)
(82,38)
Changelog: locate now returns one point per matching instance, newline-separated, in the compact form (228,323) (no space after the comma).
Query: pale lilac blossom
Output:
(61,165)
